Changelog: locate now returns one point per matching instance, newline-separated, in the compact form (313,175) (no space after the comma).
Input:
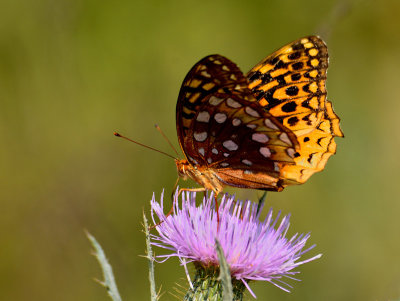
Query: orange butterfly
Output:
(265,130)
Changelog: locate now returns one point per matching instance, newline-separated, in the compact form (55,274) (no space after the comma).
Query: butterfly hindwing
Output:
(225,129)
(213,74)
(231,132)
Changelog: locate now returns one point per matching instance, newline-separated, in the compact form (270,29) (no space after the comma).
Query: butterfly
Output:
(266,129)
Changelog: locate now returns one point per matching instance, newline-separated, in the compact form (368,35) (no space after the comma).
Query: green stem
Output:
(207,286)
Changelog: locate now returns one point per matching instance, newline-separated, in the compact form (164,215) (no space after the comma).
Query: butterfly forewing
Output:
(315,149)
(290,83)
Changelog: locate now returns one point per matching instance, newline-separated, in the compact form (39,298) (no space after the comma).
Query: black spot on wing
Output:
(274,60)
(188,116)
(298,46)
(306,88)
(280,65)
(292,121)
(292,91)
(255,76)
(297,66)
(295,76)
(294,55)
(289,107)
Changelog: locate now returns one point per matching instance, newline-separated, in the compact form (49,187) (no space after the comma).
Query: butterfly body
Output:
(265,130)
(216,180)
(205,177)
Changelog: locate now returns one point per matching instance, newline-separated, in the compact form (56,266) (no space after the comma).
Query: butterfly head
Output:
(183,167)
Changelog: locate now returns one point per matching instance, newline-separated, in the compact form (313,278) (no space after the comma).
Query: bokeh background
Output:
(72,72)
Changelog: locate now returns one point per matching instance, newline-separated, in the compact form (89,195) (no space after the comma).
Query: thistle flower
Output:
(254,250)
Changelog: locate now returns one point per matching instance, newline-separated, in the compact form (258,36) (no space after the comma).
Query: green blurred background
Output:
(72,72)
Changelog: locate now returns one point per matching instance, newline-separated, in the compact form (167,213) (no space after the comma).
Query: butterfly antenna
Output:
(165,137)
(146,146)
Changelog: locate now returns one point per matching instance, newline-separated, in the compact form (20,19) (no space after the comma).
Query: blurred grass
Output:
(72,72)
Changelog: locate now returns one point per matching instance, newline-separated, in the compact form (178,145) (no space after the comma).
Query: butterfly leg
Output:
(191,190)
(261,202)
(216,208)
(179,193)
(173,199)
(172,206)
(173,191)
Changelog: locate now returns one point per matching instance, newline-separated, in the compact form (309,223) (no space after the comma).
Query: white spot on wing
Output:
(285,138)
(220,117)
(205,74)
(290,152)
(214,151)
(226,155)
(215,101)
(200,137)
(203,116)
(233,103)
(276,166)
(201,151)
(224,164)
(265,152)
(251,126)
(247,162)
(209,160)
(236,121)
(270,124)
(262,138)
(251,112)
(230,145)
(247,172)
(193,160)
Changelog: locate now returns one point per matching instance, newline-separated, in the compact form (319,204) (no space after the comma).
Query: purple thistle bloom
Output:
(254,250)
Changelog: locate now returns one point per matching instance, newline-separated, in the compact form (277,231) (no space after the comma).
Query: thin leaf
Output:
(149,256)
(109,281)
(225,274)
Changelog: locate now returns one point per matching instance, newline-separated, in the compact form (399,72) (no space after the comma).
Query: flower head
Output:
(254,250)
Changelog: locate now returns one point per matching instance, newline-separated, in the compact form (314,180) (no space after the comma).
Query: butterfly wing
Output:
(213,74)
(290,85)
(315,149)
(221,127)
